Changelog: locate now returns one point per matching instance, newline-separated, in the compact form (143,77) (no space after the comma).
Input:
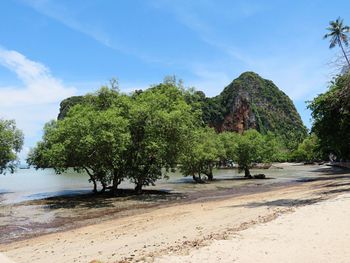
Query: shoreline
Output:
(173,200)
(176,229)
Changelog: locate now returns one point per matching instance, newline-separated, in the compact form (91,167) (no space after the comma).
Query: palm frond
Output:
(333,43)
(337,33)
(344,38)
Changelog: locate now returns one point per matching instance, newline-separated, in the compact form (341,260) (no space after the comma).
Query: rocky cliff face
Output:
(251,102)
(66,104)
(240,117)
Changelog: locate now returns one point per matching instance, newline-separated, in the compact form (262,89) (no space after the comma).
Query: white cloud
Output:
(39,86)
(209,81)
(34,102)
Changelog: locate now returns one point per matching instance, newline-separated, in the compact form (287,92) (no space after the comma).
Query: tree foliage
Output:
(203,151)
(112,136)
(331,118)
(308,150)
(92,138)
(337,32)
(160,123)
(11,142)
(250,148)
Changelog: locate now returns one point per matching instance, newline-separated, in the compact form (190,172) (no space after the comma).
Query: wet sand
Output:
(180,227)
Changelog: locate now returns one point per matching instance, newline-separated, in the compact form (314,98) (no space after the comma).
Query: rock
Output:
(259,176)
(251,102)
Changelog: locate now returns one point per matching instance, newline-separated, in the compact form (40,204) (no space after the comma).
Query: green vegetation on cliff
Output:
(251,102)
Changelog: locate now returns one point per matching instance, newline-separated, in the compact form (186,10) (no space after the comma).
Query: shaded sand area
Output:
(271,224)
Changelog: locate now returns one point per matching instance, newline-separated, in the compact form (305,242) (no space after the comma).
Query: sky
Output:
(50,50)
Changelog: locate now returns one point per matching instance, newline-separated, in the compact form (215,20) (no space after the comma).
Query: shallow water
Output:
(31,184)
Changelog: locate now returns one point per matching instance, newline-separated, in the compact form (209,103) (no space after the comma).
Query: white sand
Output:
(4,259)
(316,233)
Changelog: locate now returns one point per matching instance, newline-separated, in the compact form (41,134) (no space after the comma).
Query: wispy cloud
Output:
(60,13)
(34,102)
(39,86)
(300,75)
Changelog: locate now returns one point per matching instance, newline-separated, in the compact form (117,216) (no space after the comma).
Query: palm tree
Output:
(338,34)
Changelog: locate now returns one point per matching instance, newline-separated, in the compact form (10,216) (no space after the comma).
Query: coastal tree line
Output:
(142,136)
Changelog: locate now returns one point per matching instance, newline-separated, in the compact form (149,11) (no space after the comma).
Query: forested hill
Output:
(247,102)
(253,102)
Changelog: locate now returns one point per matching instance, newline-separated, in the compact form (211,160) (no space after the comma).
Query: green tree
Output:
(92,137)
(331,118)
(252,147)
(308,150)
(201,154)
(275,148)
(11,142)
(338,35)
(160,123)
(227,154)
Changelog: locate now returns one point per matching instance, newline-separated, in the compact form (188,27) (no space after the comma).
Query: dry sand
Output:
(304,223)
(316,233)
(4,259)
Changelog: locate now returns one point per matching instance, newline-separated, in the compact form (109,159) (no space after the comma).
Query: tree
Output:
(160,124)
(275,149)
(308,150)
(92,137)
(252,147)
(228,142)
(331,118)
(11,142)
(202,152)
(338,34)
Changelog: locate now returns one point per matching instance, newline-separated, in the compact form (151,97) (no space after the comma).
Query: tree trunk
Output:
(116,182)
(95,185)
(92,179)
(210,173)
(198,179)
(194,177)
(346,57)
(104,186)
(247,173)
(138,188)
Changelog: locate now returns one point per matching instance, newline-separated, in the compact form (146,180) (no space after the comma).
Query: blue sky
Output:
(50,50)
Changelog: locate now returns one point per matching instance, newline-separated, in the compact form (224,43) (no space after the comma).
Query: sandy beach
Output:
(303,223)
(314,233)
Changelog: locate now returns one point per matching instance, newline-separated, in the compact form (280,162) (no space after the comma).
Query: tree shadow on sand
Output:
(325,176)
(105,200)
(337,191)
(283,203)
(331,170)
